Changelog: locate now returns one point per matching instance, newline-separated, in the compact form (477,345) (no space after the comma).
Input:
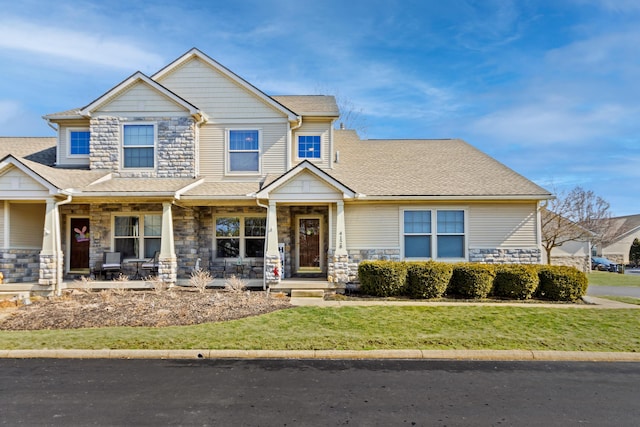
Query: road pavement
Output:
(317,392)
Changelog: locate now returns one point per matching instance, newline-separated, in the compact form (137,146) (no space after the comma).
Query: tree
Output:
(573,216)
(634,252)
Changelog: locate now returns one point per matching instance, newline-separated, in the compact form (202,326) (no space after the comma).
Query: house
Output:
(201,166)
(623,229)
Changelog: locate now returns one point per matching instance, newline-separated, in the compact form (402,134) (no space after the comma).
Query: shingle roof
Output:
(224,189)
(444,167)
(623,224)
(310,105)
(138,185)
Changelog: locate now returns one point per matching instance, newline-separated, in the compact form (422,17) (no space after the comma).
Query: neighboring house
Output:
(624,230)
(573,254)
(197,163)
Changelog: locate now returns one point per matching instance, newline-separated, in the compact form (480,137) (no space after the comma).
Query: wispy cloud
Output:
(79,47)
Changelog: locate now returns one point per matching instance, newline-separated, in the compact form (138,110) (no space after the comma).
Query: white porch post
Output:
(339,262)
(273,269)
(167,262)
(50,255)
(341,235)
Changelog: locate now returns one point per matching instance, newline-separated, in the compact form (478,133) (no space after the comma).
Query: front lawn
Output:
(365,328)
(605,278)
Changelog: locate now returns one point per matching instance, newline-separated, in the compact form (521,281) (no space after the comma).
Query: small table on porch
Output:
(138,264)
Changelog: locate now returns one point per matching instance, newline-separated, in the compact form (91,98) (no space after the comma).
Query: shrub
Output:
(200,279)
(382,278)
(471,280)
(428,279)
(515,281)
(560,283)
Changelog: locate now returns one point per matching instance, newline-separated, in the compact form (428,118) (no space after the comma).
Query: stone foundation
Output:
(344,269)
(580,262)
(505,256)
(20,265)
(167,268)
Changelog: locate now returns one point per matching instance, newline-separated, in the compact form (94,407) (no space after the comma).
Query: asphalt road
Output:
(308,393)
(620,291)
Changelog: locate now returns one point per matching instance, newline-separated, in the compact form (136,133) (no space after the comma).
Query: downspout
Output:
(290,150)
(196,166)
(56,129)
(264,265)
(58,241)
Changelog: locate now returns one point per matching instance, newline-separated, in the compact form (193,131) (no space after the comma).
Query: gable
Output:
(140,97)
(306,186)
(16,184)
(219,93)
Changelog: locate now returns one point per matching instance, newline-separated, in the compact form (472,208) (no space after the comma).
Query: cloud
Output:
(84,47)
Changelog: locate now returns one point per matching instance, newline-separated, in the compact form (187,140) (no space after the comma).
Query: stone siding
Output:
(20,265)
(505,256)
(175,154)
(344,269)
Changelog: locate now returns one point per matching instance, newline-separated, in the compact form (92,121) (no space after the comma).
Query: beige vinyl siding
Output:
(63,143)
(621,247)
(372,226)
(138,99)
(212,149)
(503,226)
(306,186)
(17,184)
(218,96)
(313,128)
(3,204)
(26,224)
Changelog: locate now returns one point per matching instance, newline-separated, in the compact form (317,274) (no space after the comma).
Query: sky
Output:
(549,88)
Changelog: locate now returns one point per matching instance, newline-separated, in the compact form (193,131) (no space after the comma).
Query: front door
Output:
(79,244)
(309,238)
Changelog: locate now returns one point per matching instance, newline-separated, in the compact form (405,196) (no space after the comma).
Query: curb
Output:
(495,355)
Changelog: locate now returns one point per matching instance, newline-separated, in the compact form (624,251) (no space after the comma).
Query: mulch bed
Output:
(109,308)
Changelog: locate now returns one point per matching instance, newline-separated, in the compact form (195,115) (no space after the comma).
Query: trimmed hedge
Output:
(560,283)
(382,278)
(515,281)
(428,279)
(471,280)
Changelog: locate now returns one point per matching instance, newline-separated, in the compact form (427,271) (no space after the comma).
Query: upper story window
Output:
(420,240)
(244,151)
(138,145)
(309,146)
(79,142)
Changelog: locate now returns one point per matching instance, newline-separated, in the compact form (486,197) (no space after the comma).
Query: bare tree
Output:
(351,117)
(573,216)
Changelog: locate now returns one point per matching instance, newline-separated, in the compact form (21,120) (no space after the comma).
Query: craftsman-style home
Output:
(194,167)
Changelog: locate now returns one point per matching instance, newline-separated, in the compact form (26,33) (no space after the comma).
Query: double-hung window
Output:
(138,145)
(442,238)
(240,237)
(244,151)
(79,142)
(309,146)
(137,236)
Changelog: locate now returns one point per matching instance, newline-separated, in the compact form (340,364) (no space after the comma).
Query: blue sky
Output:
(550,88)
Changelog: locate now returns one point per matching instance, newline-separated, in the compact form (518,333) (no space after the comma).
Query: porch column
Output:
(273,269)
(50,256)
(339,262)
(167,262)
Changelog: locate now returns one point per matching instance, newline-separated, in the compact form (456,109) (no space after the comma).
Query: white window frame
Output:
(77,129)
(141,236)
(155,145)
(434,232)
(227,151)
(241,236)
(297,151)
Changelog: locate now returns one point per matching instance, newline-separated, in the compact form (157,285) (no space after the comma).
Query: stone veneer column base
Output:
(50,269)
(168,271)
(272,265)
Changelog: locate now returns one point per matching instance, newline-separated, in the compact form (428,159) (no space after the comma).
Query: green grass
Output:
(365,328)
(628,300)
(605,278)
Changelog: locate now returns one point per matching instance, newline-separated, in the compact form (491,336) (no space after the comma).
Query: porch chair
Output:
(112,263)
(151,264)
(218,269)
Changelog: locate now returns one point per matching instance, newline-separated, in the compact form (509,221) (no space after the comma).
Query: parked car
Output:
(603,264)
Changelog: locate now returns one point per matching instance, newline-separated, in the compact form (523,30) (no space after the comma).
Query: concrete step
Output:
(307,293)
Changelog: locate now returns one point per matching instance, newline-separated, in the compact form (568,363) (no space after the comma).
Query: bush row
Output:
(431,279)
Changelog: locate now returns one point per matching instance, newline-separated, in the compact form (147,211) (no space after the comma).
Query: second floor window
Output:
(138,146)
(79,142)
(244,151)
(309,146)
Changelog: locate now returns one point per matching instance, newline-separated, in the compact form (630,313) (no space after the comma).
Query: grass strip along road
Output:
(367,328)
